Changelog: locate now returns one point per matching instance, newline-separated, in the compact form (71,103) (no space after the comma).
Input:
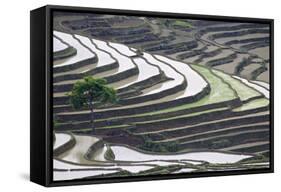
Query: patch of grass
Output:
(182,23)
(263,102)
(244,92)
(220,91)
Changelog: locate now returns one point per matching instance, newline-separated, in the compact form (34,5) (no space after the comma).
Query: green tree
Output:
(89,91)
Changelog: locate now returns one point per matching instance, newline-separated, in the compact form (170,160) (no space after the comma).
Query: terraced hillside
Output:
(236,48)
(192,96)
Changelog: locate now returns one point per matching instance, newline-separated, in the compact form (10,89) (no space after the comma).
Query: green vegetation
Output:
(244,92)
(84,93)
(182,23)
(263,102)
(205,122)
(109,155)
(220,91)
(255,159)
(149,145)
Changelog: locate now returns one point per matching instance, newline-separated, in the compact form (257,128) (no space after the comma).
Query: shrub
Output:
(109,155)
(148,145)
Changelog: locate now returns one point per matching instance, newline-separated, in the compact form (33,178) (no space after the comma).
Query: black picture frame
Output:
(41,95)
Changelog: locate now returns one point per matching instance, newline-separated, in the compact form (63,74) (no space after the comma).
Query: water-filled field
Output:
(193,96)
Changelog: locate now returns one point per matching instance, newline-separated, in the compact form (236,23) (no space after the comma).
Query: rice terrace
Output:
(137,96)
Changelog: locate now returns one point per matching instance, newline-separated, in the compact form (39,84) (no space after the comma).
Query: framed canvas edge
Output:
(49,128)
